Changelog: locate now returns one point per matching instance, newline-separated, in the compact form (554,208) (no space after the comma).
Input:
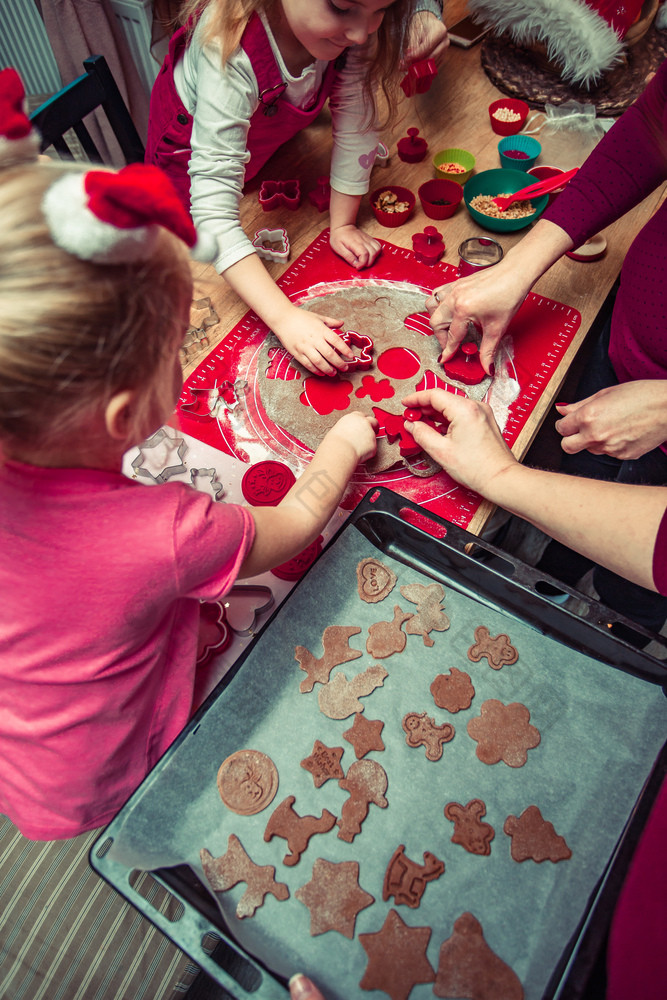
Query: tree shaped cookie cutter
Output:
(272,244)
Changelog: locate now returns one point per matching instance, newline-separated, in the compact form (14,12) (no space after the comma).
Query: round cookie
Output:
(247,781)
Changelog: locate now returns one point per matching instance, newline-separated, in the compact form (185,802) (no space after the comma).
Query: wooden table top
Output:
(453,113)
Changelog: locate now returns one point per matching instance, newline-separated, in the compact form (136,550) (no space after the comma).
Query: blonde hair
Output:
(73,333)
(228,19)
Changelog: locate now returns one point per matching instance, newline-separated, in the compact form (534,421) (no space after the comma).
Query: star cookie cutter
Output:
(272,244)
(275,193)
(165,448)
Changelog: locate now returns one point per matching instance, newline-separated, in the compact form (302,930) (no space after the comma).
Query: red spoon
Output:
(534,190)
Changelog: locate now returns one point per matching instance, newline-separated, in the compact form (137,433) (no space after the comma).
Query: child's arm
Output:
(352,244)
(309,336)
(282,532)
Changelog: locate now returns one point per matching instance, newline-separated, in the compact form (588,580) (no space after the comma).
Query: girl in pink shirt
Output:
(101,577)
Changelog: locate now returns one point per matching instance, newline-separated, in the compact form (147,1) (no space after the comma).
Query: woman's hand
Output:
(625,421)
(312,340)
(354,245)
(427,39)
(470,447)
(302,988)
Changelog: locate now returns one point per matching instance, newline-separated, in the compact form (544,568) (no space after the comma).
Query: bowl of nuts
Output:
(392,205)
(479,192)
(454,164)
(508,115)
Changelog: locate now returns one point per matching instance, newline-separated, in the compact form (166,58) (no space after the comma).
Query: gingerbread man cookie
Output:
(535,838)
(453,693)
(430,614)
(235,866)
(497,649)
(503,732)
(335,642)
(469,830)
(296,830)
(366,781)
(422,731)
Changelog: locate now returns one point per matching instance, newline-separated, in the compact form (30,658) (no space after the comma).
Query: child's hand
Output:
(311,338)
(354,245)
(358,430)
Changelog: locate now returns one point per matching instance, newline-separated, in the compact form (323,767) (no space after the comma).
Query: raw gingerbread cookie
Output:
(497,649)
(406,880)
(535,838)
(247,781)
(366,781)
(365,735)
(385,638)
(334,897)
(422,731)
(235,866)
(374,580)
(340,698)
(430,614)
(503,732)
(469,830)
(396,958)
(453,693)
(468,968)
(323,763)
(335,642)
(296,830)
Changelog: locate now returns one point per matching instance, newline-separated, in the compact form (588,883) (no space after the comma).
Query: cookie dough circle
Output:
(247,781)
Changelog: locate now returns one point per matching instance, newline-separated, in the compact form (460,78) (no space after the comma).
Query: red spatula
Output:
(535,190)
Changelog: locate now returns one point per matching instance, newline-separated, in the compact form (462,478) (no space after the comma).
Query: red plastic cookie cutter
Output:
(419,77)
(266,483)
(465,366)
(272,194)
(215,634)
(412,147)
(363,348)
(321,195)
(429,246)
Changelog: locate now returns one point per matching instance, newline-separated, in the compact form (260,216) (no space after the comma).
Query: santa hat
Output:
(19,141)
(583,36)
(114,217)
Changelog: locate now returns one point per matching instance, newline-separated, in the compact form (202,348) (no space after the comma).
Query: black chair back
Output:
(66,109)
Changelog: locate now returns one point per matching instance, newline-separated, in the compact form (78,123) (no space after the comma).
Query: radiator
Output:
(135,18)
(25,46)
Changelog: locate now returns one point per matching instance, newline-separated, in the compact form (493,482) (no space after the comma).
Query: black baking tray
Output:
(443,551)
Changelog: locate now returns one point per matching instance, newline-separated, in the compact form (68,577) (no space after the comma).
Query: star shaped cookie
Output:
(334,897)
(323,763)
(364,735)
(396,958)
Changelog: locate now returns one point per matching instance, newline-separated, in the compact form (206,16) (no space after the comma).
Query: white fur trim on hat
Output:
(77,230)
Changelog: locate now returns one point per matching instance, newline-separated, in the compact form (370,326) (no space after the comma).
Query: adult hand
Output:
(471,447)
(354,245)
(302,988)
(488,299)
(427,39)
(625,421)
(312,340)
(358,430)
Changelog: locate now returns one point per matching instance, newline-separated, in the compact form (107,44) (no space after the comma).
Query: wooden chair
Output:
(66,109)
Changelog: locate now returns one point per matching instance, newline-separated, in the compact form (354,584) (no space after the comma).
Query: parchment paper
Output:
(600,733)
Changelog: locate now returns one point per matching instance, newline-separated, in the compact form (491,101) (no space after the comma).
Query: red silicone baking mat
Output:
(541,332)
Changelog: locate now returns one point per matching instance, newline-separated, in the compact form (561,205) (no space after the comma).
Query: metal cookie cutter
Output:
(272,244)
(156,452)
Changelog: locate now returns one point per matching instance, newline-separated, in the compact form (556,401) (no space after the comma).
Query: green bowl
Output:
(493,183)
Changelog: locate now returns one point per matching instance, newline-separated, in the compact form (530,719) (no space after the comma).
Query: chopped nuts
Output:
(452,168)
(485,204)
(388,202)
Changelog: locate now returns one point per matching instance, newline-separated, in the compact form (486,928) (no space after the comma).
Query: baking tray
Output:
(594,774)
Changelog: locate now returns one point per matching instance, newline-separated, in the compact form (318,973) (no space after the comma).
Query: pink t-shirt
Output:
(101,580)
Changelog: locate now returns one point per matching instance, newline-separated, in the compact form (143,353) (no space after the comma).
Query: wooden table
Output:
(452,113)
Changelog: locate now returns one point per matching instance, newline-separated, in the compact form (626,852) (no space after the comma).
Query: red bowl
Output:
(393,219)
(542,173)
(440,198)
(511,104)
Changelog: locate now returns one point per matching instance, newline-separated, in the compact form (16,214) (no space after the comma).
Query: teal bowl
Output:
(494,183)
(518,152)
